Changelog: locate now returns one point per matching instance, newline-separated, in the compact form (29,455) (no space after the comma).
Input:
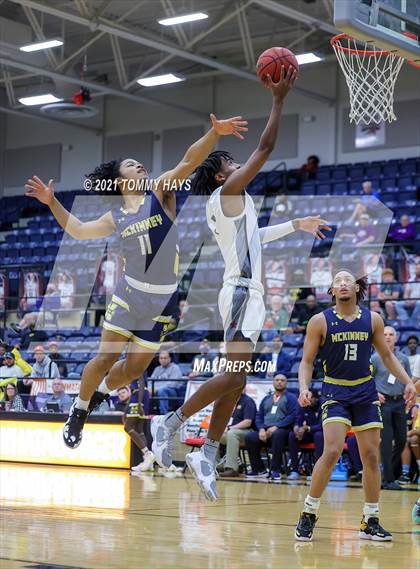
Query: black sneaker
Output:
(391,486)
(96,400)
(404,479)
(371,529)
(305,527)
(73,427)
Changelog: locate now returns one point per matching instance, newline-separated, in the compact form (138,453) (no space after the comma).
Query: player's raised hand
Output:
(234,125)
(37,189)
(315,225)
(285,83)
(410,395)
(305,398)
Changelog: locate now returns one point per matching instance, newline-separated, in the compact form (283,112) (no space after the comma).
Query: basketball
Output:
(271,61)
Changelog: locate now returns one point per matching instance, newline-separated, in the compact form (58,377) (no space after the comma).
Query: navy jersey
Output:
(148,242)
(346,356)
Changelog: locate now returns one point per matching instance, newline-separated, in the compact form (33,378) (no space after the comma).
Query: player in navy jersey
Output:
(139,311)
(344,335)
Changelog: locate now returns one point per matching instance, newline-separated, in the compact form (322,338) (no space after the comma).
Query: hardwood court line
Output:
(44,563)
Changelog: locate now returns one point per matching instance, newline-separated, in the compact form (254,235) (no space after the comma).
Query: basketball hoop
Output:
(370,74)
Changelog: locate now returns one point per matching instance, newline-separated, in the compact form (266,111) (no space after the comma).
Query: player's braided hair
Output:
(106,171)
(204,182)
(362,282)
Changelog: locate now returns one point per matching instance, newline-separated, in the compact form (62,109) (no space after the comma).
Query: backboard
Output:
(393,25)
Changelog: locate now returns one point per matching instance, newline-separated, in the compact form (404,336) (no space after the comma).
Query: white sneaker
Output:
(163,441)
(146,464)
(204,472)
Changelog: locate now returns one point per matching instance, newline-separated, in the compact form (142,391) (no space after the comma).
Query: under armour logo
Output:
(334,323)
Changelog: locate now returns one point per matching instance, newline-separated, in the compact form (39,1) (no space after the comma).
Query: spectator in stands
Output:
(413,438)
(366,202)
(311,167)
(411,350)
(375,306)
(29,335)
(277,316)
(403,231)
(305,313)
(43,367)
(307,429)
(202,361)
(124,397)
(389,292)
(56,357)
(164,389)
(60,396)
(365,233)
(3,349)
(10,372)
(410,306)
(12,400)
(274,421)
(281,362)
(243,420)
(393,411)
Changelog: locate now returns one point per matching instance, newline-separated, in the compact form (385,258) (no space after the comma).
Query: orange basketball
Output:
(271,61)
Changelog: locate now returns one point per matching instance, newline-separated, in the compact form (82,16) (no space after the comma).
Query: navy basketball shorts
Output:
(357,407)
(142,317)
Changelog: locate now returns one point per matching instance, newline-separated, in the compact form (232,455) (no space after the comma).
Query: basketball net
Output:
(370,74)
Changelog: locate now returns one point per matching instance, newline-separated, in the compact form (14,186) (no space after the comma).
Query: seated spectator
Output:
(243,419)
(277,316)
(124,398)
(311,167)
(164,389)
(403,231)
(12,400)
(44,367)
(365,233)
(10,372)
(280,361)
(202,361)
(56,357)
(274,420)
(411,350)
(58,396)
(24,366)
(305,313)
(307,429)
(410,306)
(375,306)
(366,203)
(389,292)
(4,347)
(29,335)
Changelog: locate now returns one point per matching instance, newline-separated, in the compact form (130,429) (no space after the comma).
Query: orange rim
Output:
(334,43)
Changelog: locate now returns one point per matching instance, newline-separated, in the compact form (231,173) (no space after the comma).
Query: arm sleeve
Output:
(273,232)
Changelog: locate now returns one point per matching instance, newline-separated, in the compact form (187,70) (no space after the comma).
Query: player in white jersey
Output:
(232,217)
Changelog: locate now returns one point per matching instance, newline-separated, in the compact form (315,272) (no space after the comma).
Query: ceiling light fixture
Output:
(183,19)
(41,45)
(39,100)
(307,58)
(159,80)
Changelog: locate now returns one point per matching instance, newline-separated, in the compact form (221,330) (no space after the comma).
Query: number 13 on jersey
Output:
(351,352)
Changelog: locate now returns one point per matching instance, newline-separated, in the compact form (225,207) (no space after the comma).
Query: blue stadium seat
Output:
(339,174)
(295,368)
(323,174)
(373,171)
(323,189)
(294,340)
(405,182)
(340,188)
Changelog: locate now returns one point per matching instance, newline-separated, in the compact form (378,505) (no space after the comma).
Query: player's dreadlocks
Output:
(362,282)
(106,171)
(204,182)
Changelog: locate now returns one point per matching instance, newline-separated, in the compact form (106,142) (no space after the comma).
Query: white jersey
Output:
(239,242)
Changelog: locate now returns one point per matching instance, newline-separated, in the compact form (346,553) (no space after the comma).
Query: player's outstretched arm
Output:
(237,181)
(313,340)
(390,361)
(44,193)
(199,151)
(311,224)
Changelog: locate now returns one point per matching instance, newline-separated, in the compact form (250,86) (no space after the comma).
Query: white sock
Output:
(81,404)
(103,388)
(371,510)
(311,505)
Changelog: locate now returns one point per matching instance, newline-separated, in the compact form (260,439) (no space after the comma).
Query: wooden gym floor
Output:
(55,517)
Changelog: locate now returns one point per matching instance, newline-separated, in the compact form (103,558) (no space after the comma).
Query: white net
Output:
(370,75)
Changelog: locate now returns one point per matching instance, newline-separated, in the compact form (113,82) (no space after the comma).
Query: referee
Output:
(393,411)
